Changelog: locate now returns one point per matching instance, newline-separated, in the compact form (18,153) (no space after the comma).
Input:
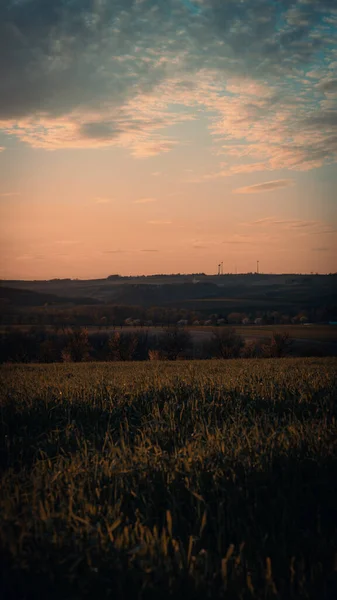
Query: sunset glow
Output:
(149,136)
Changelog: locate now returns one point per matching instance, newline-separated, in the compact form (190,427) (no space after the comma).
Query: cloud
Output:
(298,226)
(67,242)
(325,230)
(99,130)
(31,257)
(102,200)
(289,223)
(227,171)
(239,240)
(270,221)
(321,249)
(159,222)
(326,118)
(9,194)
(24,257)
(276,221)
(145,200)
(125,251)
(86,74)
(267,186)
(328,85)
(303,224)
(248,168)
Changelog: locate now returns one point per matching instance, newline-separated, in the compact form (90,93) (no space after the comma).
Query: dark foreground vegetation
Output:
(169,480)
(43,345)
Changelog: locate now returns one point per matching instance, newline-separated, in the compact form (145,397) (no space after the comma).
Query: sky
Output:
(166,136)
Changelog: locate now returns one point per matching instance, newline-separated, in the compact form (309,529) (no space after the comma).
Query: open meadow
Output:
(203,479)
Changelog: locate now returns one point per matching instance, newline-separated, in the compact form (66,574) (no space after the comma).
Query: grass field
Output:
(213,479)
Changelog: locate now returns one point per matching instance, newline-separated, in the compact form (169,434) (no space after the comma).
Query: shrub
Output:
(156,355)
(280,344)
(252,349)
(122,346)
(175,342)
(77,345)
(225,343)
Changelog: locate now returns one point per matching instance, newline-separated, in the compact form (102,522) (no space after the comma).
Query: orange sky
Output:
(166,147)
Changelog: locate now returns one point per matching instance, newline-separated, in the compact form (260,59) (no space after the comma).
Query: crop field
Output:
(212,479)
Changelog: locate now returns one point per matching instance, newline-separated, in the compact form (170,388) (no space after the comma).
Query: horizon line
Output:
(119,276)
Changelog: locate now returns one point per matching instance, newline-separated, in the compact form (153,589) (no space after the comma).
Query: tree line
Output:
(42,345)
(104,315)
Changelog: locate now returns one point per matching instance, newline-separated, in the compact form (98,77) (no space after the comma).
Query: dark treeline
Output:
(42,345)
(105,315)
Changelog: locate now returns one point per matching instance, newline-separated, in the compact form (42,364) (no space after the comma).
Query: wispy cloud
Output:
(267,186)
(160,64)
(102,200)
(325,229)
(24,257)
(124,251)
(159,222)
(32,257)
(145,200)
(8,194)
(300,226)
(240,240)
(321,249)
(227,171)
(276,221)
(67,242)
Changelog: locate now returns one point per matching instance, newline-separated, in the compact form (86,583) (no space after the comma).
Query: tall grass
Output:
(145,480)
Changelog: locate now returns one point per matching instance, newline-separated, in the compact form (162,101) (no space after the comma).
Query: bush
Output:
(99,346)
(156,355)
(225,343)
(252,349)
(279,346)
(175,342)
(77,346)
(122,346)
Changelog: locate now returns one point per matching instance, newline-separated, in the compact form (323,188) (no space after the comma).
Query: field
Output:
(213,479)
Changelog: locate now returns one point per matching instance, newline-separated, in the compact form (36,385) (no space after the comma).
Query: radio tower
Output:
(257,266)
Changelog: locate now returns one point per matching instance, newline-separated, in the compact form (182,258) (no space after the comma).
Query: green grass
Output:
(213,479)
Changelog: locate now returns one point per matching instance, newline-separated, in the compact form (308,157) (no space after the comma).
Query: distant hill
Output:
(158,295)
(18,297)
(206,293)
